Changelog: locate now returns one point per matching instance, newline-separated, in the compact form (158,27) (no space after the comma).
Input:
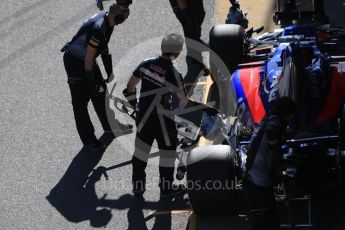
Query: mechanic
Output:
(312,70)
(263,165)
(236,16)
(84,75)
(162,90)
(191,15)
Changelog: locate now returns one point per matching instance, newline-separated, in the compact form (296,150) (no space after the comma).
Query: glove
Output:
(211,111)
(131,97)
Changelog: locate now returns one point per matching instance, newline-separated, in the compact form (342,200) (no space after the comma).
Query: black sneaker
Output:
(180,172)
(175,190)
(95,146)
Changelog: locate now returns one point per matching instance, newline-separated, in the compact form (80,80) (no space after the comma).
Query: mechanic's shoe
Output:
(180,172)
(95,146)
(173,191)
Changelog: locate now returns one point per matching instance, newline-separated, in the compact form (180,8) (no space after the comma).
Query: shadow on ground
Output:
(75,198)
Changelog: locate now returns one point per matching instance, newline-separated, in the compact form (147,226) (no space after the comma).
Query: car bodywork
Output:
(257,84)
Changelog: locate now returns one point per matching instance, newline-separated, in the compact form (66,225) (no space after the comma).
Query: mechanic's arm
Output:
(107,61)
(132,83)
(88,66)
(131,92)
(274,133)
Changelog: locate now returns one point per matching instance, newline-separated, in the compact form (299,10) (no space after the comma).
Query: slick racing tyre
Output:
(211,181)
(226,42)
(226,53)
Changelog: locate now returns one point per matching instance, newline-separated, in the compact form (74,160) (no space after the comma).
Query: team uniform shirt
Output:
(96,32)
(160,82)
(266,164)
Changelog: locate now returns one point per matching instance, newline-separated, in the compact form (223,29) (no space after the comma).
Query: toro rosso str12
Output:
(302,62)
(298,68)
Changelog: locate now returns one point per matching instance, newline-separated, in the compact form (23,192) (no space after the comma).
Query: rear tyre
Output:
(211,180)
(226,42)
(226,53)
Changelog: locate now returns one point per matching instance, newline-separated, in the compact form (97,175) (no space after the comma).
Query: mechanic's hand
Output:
(100,90)
(131,97)
(211,111)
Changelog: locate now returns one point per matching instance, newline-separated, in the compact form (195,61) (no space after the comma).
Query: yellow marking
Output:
(222,7)
(192,222)
(92,42)
(169,212)
(95,39)
(207,87)
(203,141)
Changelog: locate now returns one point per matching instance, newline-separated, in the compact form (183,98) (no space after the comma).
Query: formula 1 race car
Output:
(293,62)
(305,63)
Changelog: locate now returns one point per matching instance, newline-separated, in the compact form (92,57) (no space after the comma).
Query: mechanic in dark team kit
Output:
(161,90)
(191,15)
(84,76)
(264,167)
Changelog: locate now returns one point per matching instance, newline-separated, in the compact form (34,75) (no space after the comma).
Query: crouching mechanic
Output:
(263,165)
(84,76)
(161,90)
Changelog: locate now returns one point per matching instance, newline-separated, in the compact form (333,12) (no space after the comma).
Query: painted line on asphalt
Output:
(203,141)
